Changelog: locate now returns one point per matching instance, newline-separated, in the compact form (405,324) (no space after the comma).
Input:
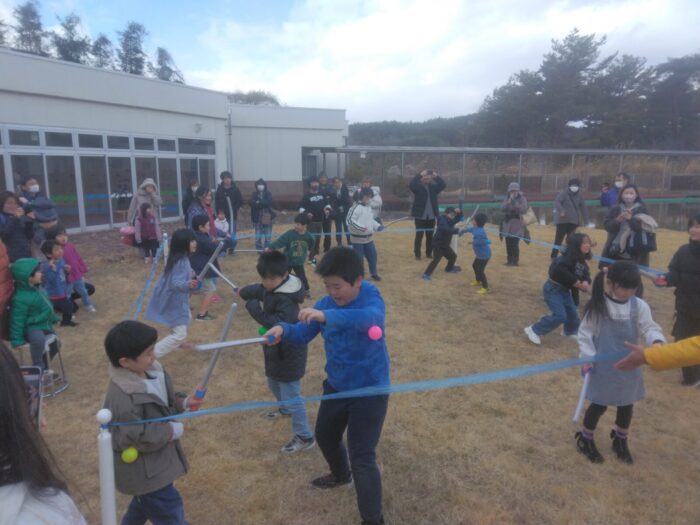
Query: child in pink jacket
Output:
(77,287)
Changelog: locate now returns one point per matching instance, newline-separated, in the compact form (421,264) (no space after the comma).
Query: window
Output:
(24,166)
(206,173)
(115,142)
(143,143)
(166,145)
(59,140)
(19,137)
(95,192)
(120,184)
(3,186)
(61,174)
(145,169)
(167,178)
(90,141)
(204,147)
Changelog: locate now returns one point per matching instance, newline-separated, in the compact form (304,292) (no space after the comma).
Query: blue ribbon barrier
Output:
(399,388)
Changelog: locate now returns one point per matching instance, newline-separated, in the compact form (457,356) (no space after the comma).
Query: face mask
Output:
(573,189)
(260,187)
(34,188)
(629,199)
(194,188)
(619,184)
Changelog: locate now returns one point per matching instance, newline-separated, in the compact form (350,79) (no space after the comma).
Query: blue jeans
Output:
(162,507)
(363,417)
(291,390)
(79,287)
(368,251)
(563,310)
(263,236)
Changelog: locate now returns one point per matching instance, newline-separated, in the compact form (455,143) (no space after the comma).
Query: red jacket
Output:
(6,288)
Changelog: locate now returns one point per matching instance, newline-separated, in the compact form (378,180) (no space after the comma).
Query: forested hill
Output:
(577,98)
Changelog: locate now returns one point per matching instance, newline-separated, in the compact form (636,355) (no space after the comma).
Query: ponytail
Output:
(596,307)
(624,274)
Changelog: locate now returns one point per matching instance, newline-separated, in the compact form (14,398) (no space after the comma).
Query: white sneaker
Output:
(91,309)
(298,443)
(532,336)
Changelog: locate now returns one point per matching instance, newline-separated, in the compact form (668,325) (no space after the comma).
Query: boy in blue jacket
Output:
(55,271)
(446,228)
(353,360)
(482,250)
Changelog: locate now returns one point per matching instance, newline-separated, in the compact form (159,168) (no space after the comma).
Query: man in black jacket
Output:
(317,206)
(341,203)
(326,188)
(425,187)
(228,199)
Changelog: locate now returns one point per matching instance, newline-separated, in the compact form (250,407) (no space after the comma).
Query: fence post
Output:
(105,454)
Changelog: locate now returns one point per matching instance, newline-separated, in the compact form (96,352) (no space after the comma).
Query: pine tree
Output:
(3,33)
(102,52)
(29,31)
(132,58)
(71,45)
(255,97)
(165,68)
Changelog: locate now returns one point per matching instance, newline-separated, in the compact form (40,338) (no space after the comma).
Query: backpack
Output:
(641,242)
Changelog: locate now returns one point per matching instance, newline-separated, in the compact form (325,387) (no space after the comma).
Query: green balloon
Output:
(262,330)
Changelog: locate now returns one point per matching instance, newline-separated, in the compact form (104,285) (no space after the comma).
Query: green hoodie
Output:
(30,307)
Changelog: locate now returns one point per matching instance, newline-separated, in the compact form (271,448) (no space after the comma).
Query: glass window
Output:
(166,145)
(95,191)
(61,174)
(143,143)
(203,147)
(120,184)
(27,166)
(145,169)
(59,140)
(188,172)
(20,137)
(90,141)
(3,184)
(206,173)
(167,183)
(116,142)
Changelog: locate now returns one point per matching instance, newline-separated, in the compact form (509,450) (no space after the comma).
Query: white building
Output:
(90,136)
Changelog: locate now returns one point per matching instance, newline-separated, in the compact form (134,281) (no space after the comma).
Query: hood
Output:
(21,270)
(513,186)
(44,210)
(292,286)
(147,182)
(260,181)
(129,382)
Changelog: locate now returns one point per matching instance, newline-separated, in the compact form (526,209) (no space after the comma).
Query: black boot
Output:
(587,448)
(619,446)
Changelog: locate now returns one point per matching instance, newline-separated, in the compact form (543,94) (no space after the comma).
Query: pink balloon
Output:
(375,333)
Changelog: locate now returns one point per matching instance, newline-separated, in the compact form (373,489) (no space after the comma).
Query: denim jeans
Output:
(162,507)
(263,236)
(369,251)
(291,390)
(363,417)
(79,288)
(563,310)
(340,226)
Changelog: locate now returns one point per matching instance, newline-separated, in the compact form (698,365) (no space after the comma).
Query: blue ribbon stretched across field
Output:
(399,388)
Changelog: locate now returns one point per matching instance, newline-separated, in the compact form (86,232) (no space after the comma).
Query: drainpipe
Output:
(229,132)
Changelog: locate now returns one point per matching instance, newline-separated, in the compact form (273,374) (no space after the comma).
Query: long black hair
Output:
(624,274)
(573,246)
(24,456)
(179,247)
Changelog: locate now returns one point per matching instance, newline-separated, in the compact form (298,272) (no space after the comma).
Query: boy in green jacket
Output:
(31,313)
(296,244)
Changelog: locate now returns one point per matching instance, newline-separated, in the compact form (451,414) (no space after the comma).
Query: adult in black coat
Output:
(228,199)
(261,214)
(16,230)
(327,188)
(341,202)
(425,187)
(189,196)
(317,206)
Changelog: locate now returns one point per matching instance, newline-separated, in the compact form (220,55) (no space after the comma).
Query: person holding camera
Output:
(425,186)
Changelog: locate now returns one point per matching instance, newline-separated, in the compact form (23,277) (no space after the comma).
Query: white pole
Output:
(582,397)
(226,279)
(108,495)
(230,344)
(166,249)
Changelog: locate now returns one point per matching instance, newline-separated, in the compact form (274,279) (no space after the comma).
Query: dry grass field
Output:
(495,453)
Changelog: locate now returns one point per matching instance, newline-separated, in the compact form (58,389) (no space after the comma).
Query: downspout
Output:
(229,130)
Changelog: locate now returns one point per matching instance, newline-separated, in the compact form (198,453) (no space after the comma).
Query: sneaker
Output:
(619,446)
(476,283)
(417,257)
(91,308)
(298,443)
(68,323)
(482,291)
(454,269)
(426,277)
(274,414)
(376,277)
(329,481)
(587,448)
(205,317)
(532,336)
(572,336)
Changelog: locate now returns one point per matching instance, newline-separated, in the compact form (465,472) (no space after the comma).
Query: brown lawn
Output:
(489,454)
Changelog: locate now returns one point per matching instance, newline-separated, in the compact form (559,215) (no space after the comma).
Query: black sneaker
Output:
(68,323)
(329,481)
(619,446)
(380,522)
(376,277)
(587,448)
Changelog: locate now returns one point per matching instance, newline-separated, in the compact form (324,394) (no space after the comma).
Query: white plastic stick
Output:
(105,454)
(211,260)
(229,344)
(582,397)
(166,249)
(226,279)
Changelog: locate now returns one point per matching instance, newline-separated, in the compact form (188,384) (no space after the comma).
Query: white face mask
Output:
(260,187)
(194,188)
(573,189)
(619,184)
(34,188)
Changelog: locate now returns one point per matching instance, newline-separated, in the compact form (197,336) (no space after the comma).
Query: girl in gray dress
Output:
(612,316)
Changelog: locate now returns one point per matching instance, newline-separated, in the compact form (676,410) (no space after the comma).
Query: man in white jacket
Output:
(362,225)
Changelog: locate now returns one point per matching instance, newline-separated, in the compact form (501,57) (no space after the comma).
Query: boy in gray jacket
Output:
(140,388)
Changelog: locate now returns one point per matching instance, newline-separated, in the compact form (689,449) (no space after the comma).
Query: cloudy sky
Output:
(380,59)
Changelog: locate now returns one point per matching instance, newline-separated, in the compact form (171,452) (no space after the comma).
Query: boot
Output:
(587,448)
(619,446)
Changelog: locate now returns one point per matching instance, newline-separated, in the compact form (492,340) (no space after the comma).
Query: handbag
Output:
(528,217)
(128,235)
